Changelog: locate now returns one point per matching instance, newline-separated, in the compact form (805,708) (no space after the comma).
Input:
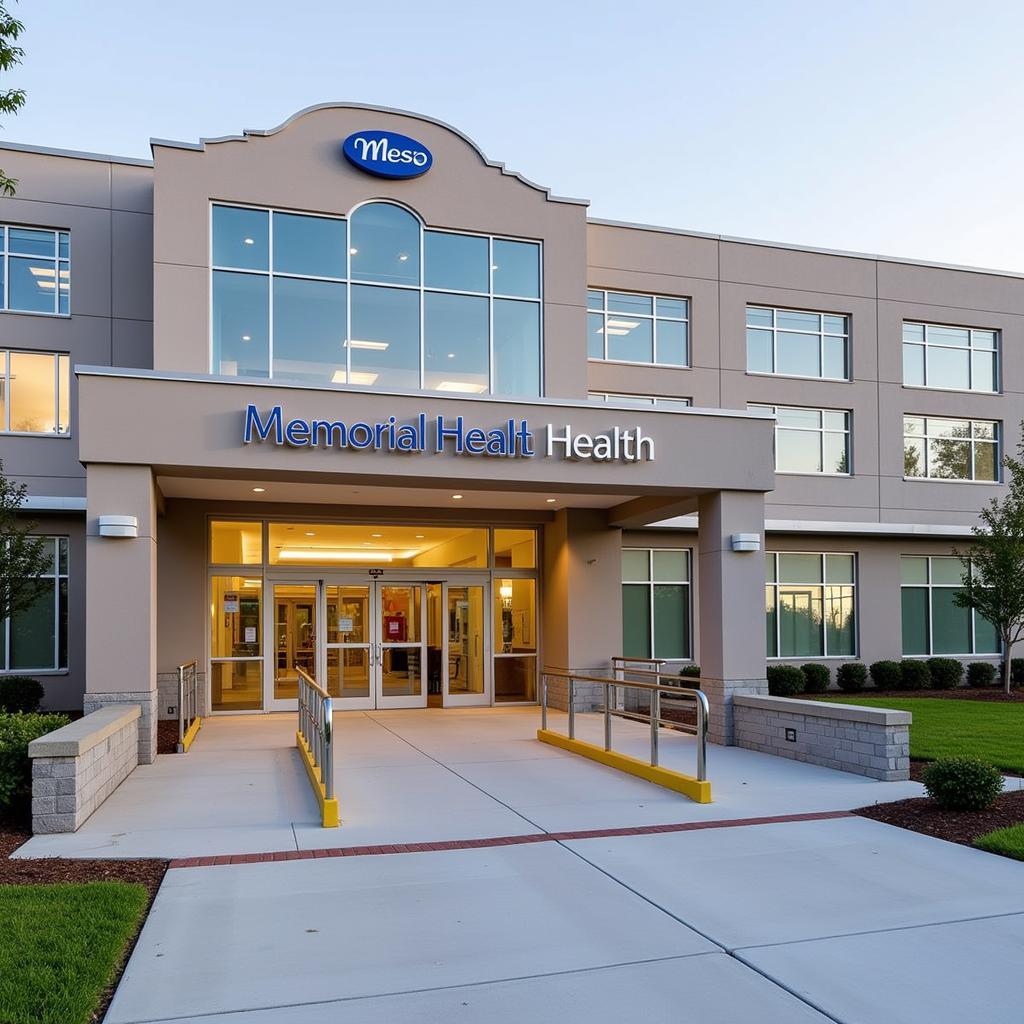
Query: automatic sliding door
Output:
(402,647)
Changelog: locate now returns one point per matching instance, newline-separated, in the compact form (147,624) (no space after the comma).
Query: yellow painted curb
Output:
(676,781)
(190,734)
(329,814)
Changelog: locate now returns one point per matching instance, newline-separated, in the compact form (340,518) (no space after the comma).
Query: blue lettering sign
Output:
(387,154)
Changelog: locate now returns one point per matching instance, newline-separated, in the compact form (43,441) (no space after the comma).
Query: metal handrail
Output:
(316,727)
(655,689)
(188,700)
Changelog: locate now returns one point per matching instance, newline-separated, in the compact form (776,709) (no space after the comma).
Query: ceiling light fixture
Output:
(332,555)
(353,251)
(376,534)
(628,324)
(420,536)
(551,501)
(457,497)
(246,337)
(463,386)
(403,256)
(258,490)
(250,241)
(376,346)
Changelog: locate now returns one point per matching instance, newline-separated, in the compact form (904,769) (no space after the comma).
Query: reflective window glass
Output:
(950,449)
(595,336)
(33,398)
(384,245)
(455,333)
(516,348)
(311,246)
(236,543)
(798,354)
(948,367)
(623,302)
(241,238)
(672,566)
(791,320)
(636,564)
(656,613)
(759,317)
(956,358)
(630,340)
(458,262)
(671,343)
(309,330)
(32,242)
(31,284)
(516,268)
(759,351)
(385,343)
(798,451)
(798,343)
(913,365)
(515,549)
(795,568)
(240,325)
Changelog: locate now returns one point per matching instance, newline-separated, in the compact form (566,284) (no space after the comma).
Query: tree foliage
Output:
(23,556)
(992,583)
(11,100)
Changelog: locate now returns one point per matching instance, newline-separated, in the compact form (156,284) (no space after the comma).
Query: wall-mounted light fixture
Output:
(118,526)
(745,541)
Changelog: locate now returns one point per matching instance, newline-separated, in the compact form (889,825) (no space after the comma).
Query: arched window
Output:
(376,301)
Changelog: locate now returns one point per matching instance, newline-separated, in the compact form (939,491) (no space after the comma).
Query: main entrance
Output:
(379,643)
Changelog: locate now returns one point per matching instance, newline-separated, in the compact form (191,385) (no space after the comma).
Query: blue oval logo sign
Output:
(387,154)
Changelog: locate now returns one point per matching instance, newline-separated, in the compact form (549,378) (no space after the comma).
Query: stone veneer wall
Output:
(75,768)
(146,702)
(865,741)
(167,695)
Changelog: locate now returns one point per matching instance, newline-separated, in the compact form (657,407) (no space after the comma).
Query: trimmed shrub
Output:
(963,783)
(16,732)
(851,676)
(1017,671)
(690,671)
(946,673)
(916,675)
(981,674)
(886,675)
(20,693)
(785,680)
(816,677)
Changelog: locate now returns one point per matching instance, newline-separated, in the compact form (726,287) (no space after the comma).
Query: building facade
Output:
(347,395)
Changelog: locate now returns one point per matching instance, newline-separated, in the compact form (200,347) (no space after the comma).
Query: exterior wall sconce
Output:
(118,526)
(745,541)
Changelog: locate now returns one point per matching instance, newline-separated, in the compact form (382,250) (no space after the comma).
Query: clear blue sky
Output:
(891,127)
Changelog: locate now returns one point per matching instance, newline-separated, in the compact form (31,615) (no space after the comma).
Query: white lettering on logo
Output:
(381,151)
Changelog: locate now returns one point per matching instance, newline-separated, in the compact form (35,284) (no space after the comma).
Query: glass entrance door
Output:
(349,655)
(295,612)
(402,648)
(467,681)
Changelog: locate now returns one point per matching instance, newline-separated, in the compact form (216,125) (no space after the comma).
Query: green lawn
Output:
(944,728)
(60,946)
(1007,841)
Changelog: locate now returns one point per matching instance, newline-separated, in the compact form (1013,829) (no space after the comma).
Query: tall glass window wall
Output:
(374,300)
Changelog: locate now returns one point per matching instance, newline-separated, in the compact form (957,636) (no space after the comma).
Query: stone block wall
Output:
(146,702)
(76,767)
(865,741)
(586,696)
(167,695)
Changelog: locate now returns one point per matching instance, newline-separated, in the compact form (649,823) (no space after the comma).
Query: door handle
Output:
(369,654)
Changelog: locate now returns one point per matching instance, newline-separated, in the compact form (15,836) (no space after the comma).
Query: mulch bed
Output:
(167,736)
(922,814)
(1015,696)
(50,870)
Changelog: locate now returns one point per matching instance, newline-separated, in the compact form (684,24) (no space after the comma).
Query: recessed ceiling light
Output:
(376,534)
(403,256)
(451,355)
(246,337)
(250,241)
(457,497)
(420,536)
(367,544)
(494,266)
(551,501)
(310,533)
(258,490)
(353,251)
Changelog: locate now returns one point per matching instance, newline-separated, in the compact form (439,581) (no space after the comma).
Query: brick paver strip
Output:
(477,844)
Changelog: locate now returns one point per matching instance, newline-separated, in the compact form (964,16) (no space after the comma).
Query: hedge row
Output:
(909,674)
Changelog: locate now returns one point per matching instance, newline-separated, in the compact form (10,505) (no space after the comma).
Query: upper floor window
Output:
(960,358)
(630,328)
(656,603)
(810,605)
(947,449)
(35,393)
(810,440)
(36,638)
(374,300)
(796,343)
(35,270)
(658,400)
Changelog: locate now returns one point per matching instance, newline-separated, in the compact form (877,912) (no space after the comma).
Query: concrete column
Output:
(730,605)
(120,642)
(582,600)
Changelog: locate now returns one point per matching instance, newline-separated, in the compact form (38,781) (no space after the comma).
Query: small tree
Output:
(23,557)
(992,583)
(11,100)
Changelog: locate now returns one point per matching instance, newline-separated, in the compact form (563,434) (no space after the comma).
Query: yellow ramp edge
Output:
(190,734)
(676,781)
(329,815)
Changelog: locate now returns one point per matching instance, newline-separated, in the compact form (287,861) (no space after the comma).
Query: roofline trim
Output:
(76,154)
(795,247)
(822,527)
(341,104)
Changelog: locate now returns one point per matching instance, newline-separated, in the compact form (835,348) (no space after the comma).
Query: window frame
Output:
(929,587)
(59,263)
(491,296)
(821,335)
(822,430)
(973,441)
(653,317)
(970,349)
(59,359)
(650,583)
(639,400)
(57,577)
(775,584)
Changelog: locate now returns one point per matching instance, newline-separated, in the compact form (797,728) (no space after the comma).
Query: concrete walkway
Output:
(428,776)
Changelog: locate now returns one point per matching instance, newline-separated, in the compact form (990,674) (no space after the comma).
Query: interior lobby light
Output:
(457,497)
(612,330)
(403,256)
(463,386)
(332,555)
(258,490)
(246,337)
(376,346)
(250,241)
(628,324)
(551,501)
(376,534)
(358,377)
(353,251)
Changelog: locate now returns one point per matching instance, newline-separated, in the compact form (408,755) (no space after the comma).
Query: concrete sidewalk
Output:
(428,776)
(842,920)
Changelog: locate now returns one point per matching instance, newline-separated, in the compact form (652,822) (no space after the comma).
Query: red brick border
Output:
(476,844)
